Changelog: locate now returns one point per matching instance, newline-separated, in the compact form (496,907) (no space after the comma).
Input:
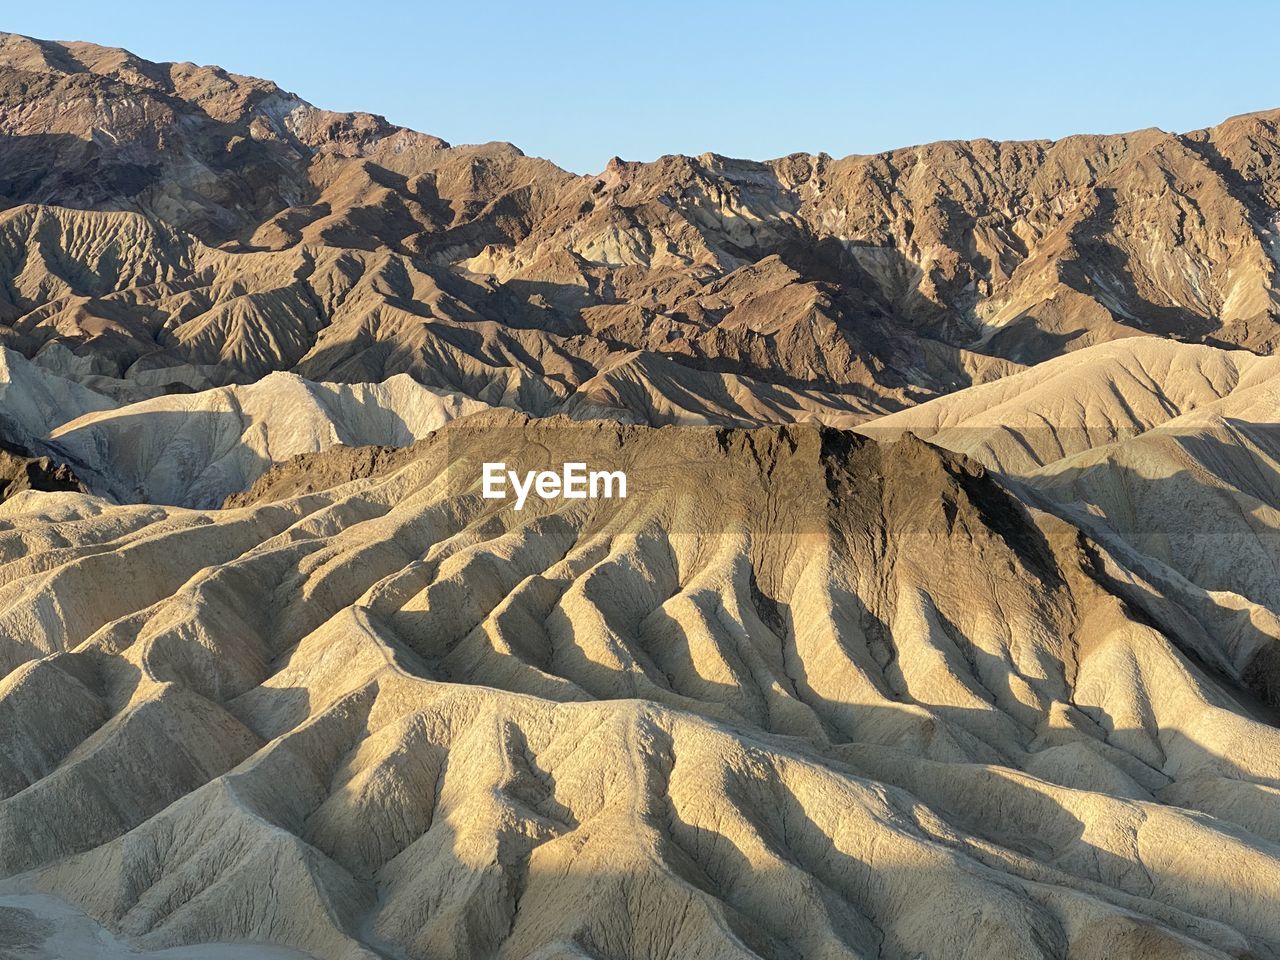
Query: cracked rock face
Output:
(939,619)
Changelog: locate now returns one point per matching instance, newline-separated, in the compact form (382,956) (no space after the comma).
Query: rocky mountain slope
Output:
(940,619)
(19,472)
(174,224)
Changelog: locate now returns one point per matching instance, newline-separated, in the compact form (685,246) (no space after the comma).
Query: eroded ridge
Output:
(801,694)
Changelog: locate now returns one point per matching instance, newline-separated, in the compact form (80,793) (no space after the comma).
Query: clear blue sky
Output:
(579,82)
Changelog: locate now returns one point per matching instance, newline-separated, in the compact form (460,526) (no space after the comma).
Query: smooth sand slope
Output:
(1086,400)
(196,449)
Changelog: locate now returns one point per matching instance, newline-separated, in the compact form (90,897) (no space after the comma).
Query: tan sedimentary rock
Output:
(993,677)
(800,691)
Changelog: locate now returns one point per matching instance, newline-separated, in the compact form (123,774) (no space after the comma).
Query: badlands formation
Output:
(941,619)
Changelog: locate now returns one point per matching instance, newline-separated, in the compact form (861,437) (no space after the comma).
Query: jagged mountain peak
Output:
(908,273)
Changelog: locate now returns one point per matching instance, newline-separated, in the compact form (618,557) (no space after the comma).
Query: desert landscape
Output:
(940,619)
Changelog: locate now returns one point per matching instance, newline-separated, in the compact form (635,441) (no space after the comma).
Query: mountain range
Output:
(940,619)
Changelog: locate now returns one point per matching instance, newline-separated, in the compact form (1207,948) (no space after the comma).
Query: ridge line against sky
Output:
(580,82)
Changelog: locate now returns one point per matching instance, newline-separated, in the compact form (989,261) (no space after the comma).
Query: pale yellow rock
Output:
(394,718)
